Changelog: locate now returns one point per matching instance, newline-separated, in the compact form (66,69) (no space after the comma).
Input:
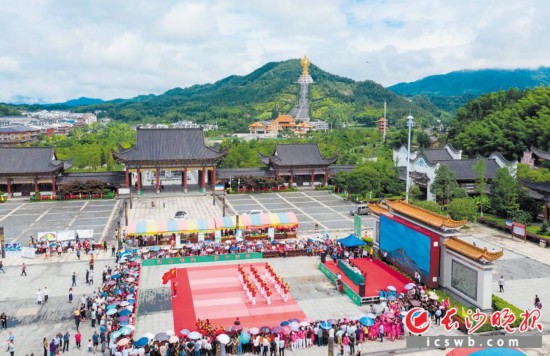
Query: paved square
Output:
(316,210)
(22,219)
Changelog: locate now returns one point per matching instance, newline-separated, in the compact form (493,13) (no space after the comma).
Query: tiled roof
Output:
(284,119)
(540,153)
(471,251)
(302,154)
(169,145)
(425,216)
(435,155)
(377,208)
(28,160)
(463,168)
(256,124)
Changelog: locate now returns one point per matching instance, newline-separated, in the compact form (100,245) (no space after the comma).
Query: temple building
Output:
(180,150)
(534,157)
(424,164)
(301,163)
(25,170)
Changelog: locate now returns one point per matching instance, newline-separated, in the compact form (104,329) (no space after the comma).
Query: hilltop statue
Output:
(305,64)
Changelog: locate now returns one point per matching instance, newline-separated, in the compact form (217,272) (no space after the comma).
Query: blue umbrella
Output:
(366,321)
(326,325)
(283,323)
(117,291)
(124,312)
(141,342)
(115,276)
(111,306)
(244,337)
(155,248)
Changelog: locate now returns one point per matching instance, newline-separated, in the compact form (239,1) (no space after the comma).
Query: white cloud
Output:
(54,50)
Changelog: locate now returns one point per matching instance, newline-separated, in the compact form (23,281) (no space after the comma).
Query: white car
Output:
(252,212)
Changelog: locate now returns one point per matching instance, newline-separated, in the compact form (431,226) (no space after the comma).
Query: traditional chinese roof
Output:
(541,154)
(284,120)
(174,144)
(301,154)
(463,168)
(377,208)
(473,252)
(425,216)
(435,155)
(16,161)
(256,124)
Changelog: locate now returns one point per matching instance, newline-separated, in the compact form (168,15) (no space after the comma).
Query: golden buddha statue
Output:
(305,64)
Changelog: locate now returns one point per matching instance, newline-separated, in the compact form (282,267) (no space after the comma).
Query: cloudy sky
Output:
(51,51)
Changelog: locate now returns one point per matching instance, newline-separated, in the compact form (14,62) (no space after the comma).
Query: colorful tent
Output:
(246,221)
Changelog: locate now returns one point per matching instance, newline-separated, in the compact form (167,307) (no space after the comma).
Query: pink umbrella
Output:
(286,330)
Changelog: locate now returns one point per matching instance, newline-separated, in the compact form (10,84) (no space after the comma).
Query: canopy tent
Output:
(351,241)
(246,221)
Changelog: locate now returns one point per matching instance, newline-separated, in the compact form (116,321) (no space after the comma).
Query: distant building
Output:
(423,165)
(14,135)
(319,125)
(533,156)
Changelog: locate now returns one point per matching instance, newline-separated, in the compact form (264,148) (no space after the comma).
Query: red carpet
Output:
(215,293)
(379,275)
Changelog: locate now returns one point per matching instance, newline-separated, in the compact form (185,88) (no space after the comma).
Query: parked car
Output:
(181,215)
(360,209)
(252,212)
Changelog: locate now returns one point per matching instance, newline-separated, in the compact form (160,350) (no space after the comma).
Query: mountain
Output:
(452,90)
(82,101)
(236,101)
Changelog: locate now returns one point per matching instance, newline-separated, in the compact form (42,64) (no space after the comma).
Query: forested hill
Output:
(236,101)
(452,90)
(506,121)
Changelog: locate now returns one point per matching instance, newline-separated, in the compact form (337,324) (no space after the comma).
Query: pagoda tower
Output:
(301,110)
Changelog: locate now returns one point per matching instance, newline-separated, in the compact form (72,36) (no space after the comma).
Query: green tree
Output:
(428,205)
(504,193)
(444,186)
(480,169)
(463,208)
(423,139)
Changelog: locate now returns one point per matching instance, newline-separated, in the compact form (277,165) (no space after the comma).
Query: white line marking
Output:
(104,233)
(13,211)
(303,212)
(44,213)
(328,207)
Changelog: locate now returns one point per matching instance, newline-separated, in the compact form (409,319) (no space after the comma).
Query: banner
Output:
(28,252)
(218,235)
(271,233)
(66,235)
(200,259)
(85,234)
(519,230)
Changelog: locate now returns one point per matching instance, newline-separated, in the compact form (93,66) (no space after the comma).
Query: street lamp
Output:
(410,124)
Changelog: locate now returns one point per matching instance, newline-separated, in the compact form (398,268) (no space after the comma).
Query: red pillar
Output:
(312,178)
(8,182)
(326,177)
(203,178)
(213,175)
(291,176)
(157,176)
(184,177)
(127,178)
(138,180)
(36,184)
(276,174)
(53,185)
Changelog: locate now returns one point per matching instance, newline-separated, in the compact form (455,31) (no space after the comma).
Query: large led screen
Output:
(406,247)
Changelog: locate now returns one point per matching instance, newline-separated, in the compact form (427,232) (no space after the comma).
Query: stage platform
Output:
(215,293)
(379,276)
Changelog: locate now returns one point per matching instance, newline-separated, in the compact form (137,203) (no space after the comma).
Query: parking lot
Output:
(326,210)
(22,219)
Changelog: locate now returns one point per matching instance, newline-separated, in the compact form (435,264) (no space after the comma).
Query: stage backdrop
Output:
(411,247)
